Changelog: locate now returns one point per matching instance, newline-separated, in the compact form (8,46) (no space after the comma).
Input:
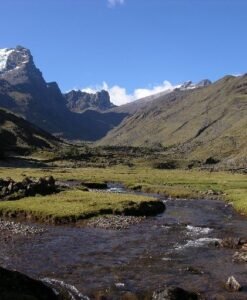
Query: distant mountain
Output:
(195,121)
(78,101)
(24,91)
(198,122)
(189,85)
(18,136)
(136,105)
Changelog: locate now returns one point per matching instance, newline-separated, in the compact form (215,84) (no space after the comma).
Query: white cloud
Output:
(119,95)
(113,3)
(141,93)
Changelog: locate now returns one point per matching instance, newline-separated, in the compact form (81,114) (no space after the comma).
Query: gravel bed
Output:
(13,228)
(114,222)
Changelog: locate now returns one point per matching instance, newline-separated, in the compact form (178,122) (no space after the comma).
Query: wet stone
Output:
(233,285)
(240,257)
(233,242)
(175,293)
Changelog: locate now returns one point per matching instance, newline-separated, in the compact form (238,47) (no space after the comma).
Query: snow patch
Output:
(4,54)
(23,58)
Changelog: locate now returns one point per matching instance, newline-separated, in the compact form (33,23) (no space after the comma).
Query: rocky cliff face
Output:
(17,67)
(78,101)
(24,91)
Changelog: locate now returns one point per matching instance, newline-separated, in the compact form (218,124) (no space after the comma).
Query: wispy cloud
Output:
(112,3)
(119,95)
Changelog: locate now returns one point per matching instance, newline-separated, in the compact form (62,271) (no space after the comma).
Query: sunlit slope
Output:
(200,122)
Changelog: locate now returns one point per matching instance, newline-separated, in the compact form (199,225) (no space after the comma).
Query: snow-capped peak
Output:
(189,85)
(4,54)
(13,58)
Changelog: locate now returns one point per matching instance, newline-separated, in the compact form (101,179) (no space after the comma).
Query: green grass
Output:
(71,205)
(174,183)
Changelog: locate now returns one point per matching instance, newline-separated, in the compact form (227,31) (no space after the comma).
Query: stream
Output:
(174,248)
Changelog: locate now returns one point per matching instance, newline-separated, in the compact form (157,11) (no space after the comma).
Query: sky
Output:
(132,48)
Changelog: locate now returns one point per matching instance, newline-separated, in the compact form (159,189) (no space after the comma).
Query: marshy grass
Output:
(174,183)
(72,205)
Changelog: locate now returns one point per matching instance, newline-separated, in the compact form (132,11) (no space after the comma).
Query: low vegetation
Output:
(172,183)
(73,205)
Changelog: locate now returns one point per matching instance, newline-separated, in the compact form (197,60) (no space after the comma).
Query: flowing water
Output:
(175,248)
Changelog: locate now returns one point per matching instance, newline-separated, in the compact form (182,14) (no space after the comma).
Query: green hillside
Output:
(199,123)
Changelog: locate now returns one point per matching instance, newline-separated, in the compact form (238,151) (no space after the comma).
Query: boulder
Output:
(11,190)
(240,257)
(232,285)
(146,208)
(175,293)
(14,285)
(44,186)
(233,243)
(244,247)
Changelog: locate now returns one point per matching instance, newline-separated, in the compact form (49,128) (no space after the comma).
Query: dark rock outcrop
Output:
(24,91)
(203,83)
(14,285)
(147,208)
(11,190)
(78,101)
(175,293)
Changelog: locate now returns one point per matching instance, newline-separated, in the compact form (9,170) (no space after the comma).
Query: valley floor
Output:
(170,183)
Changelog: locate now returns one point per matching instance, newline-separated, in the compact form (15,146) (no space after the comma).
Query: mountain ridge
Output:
(24,91)
(79,101)
(195,123)
(192,120)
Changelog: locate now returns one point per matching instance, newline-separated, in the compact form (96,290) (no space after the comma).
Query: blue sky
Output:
(128,46)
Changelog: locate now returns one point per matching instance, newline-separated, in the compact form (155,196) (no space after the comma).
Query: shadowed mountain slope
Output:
(17,135)
(24,91)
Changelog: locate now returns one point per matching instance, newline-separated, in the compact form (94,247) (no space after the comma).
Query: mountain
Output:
(24,91)
(194,121)
(18,135)
(197,123)
(78,101)
(133,107)
(189,85)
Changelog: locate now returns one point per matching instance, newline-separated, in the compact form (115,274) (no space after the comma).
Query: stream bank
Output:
(176,248)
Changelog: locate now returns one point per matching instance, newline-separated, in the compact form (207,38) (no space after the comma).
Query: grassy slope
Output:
(71,205)
(205,122)
(175,183)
